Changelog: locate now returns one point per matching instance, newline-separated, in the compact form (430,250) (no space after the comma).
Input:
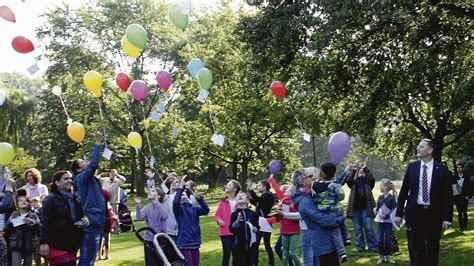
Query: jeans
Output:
(307,250)
(17,257)
(346,236)
(150,257)
(226,249)
(363,226)
(279,251)
(384,233)
(290,242)
(337,240)
(266,240)
(89,247)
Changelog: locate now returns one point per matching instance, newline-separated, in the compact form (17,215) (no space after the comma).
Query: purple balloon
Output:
(163,79)
(339,146)
(274,167)
(139,90)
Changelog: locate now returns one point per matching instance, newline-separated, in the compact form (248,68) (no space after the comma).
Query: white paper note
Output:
(155,116)
(161,107)
(18,220)
(306,137)
(175,132)
(220,140)
(215,138)
(107,154)
(203,94)
(33,69)
(152,162)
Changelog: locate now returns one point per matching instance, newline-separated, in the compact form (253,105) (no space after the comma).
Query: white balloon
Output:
(56,90)
(3,96)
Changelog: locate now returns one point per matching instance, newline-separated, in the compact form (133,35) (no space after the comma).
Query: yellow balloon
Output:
(76,132)
(93,82)
(7,153)
(135,140)
(130,49)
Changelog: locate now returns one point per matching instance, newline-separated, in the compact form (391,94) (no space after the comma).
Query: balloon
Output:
(136,35)
(204,77)
(129,48)
(135,140)
(163,79)
(339,146)
(194,66)
(76,132)
(139,90)
(3,96)
(278,89)
(274,167)
(22,45)
(93,82)
(7,14)
(179,16)
(56,90)
(123,81)
(7,153)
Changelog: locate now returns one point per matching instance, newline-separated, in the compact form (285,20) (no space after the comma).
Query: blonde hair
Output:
(389,185)
(311,171)
(291,189)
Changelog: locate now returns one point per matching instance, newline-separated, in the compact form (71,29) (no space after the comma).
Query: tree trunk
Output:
(438,140)
(212,175)
(234,171)
(244,174)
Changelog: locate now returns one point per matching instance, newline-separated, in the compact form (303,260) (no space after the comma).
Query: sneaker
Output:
(380,261)
(343,258)
(347,242)
(389,259)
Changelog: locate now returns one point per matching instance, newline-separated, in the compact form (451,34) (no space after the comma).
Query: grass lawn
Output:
(456,248)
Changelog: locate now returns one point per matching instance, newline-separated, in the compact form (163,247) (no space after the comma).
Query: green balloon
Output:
(7,153)
(179,16)
(136,35)
(204,77)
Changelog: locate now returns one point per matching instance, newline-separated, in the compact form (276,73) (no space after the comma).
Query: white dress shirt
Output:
(429,171)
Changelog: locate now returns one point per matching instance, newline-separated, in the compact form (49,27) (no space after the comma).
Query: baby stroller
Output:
(125,218)
(165,249)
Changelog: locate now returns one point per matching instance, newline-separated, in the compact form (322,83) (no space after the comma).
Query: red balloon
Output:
(123,81)
(22,45)
(278,89)
(7,14)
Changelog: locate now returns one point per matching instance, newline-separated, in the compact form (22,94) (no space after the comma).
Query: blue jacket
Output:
(187,217)
(89,192)
(319,223)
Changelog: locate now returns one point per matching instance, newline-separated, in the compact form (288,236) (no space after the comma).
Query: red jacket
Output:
(223,213)
(287,226)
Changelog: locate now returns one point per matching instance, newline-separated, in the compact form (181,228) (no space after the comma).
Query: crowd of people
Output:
(84,207)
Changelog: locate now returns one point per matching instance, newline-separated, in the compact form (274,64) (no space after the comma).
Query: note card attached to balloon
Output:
(155,116)
(107,154)
(218,139)
(203,94)
(306,137)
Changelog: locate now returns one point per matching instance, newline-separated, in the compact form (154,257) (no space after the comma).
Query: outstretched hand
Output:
(249,183)
(149,173)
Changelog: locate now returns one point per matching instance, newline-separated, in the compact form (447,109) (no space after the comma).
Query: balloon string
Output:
(187,42)
(297,121)
(103,127)
(146,129)
(64,106)
(129,112)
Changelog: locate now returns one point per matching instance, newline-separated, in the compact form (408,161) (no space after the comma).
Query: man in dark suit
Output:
(428,194)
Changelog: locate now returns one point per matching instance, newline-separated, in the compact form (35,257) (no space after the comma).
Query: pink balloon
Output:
(139,90)
(7,14)
(163,79)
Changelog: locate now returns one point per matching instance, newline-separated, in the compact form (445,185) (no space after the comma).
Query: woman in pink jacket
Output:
(222,218)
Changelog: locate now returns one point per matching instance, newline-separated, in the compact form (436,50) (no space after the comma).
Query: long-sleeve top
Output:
(38,190)
(241,230)
(328,195)
(224,210)
(390,204)
(171,224)
(263,204)
(155,215)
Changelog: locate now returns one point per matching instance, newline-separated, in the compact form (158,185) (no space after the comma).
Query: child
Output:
(289,229)
(35,204)
(155,214)
(22,229)
(189,231)
(244,226)
(385,206)
(110,219)
(328,196)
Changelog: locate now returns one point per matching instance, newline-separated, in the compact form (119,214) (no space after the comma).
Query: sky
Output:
(27,13)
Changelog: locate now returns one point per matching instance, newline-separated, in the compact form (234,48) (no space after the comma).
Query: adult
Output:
(428,194)
(112,185)
(263,205)
(319,223)
(360,206)
(461,195)
(89,191)
(62,223)
(33,186)
(225,208)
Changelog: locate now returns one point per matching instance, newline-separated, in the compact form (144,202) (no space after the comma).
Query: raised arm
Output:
(276,187)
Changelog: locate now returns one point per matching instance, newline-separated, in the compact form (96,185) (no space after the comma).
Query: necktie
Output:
(426,195)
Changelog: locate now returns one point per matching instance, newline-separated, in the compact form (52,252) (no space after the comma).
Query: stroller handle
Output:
(137,232)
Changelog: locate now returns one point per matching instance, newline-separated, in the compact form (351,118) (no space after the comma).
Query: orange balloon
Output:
(76,132)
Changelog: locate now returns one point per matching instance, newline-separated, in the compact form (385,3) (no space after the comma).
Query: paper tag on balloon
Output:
(306,137)
(161,107)
(152,162)
(220,140)
(33,69)
(69,121)
(202,97)
(107,154)
(214,138)
(155,116)
(175,132)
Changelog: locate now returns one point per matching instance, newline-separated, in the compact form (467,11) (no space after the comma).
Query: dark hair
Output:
(21,192)
(429,142)
(460,164)
(75,166)
(36,175)
(329,169)
(160,193)
(56,177)
(266,184)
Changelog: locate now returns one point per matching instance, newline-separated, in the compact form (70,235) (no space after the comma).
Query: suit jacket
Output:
(441,193)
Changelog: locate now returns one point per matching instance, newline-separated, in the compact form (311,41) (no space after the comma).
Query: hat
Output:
(329,169)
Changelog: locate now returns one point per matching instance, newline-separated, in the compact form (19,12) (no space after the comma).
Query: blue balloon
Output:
(275,167)
(194,66)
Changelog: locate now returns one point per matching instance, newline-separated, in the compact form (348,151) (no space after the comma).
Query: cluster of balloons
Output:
(179,16)
(3,97)
(339,146)
(93,82)
(7,153)
(278,89)
(20,44)
(198,70)
(135,140)
(76,132)
(134,40)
